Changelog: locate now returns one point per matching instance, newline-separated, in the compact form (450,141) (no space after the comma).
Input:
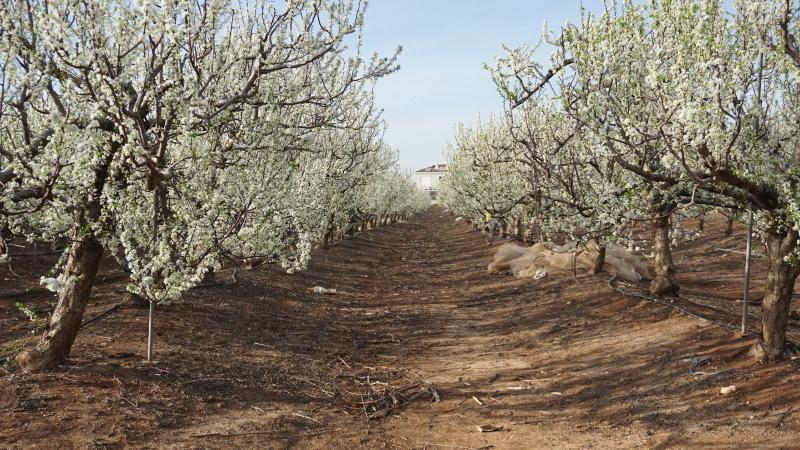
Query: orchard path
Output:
(562,362)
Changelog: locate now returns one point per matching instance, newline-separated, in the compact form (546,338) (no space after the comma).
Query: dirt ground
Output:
(562,362)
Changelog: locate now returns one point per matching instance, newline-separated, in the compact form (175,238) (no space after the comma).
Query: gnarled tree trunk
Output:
(65,322)
(781,276)
(664,282)
(80,271)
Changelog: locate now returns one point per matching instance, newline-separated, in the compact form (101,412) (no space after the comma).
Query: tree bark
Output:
(701,223)
(781,276)
(326,238)
(65,322)
(729,225)
(330,229)
(664,282)
(599,260)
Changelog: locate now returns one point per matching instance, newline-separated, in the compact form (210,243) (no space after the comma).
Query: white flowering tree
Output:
(577,192)
(484,175)
(173,130)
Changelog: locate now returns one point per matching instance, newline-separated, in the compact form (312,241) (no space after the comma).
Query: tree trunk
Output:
(252,263)
(541,236)
(330,228)
(701,223)
(781,275)
(80,271)
(729,225)
(5,235)
(326,238)
(664,282)
(210,277)
(54,346)
(599,260)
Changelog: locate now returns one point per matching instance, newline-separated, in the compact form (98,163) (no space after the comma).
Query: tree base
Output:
(761,354)
(764,355)
(662,285)
(33,360)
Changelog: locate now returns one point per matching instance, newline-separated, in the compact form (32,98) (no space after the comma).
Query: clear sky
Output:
(445,44)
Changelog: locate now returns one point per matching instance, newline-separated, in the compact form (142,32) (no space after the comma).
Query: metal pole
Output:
(150,333)
(747,268)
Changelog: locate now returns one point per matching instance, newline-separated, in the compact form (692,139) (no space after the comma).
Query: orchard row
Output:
(646,112)
(175,134)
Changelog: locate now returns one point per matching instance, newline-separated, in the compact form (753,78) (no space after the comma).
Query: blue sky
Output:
(445,43)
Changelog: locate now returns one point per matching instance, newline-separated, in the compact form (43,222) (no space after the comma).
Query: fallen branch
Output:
(381,401)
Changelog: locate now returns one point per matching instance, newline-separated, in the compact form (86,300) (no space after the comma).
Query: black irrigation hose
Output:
(683,310)
(102,315)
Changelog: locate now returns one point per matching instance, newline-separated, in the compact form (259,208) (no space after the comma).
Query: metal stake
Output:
(150,333)
(747,268)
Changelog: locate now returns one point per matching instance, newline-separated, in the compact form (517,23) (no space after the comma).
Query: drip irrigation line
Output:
(102,315)
(664,302)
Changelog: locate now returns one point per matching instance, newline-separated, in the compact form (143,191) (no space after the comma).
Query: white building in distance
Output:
(427,179)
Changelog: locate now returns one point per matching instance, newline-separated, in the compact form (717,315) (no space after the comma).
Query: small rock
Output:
(728,390)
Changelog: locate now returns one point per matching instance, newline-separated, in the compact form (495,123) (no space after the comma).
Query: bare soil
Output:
(562,362)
